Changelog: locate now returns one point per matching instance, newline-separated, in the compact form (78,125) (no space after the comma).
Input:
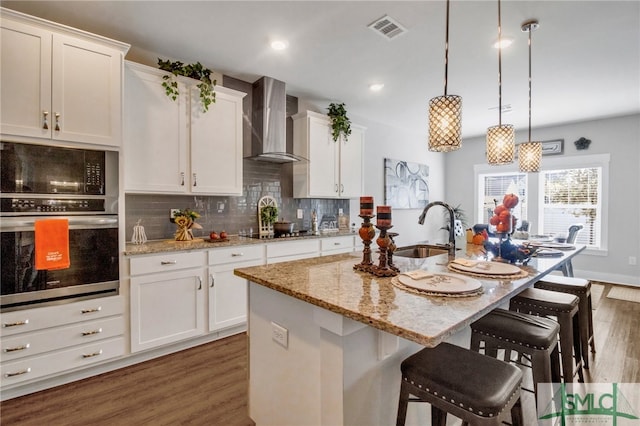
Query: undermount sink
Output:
(420,251)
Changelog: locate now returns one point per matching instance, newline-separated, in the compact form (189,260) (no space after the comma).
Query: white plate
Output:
(488,268)
(442,282)
(540,238)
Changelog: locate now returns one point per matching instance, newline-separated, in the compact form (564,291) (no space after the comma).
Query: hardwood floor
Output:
(207,385)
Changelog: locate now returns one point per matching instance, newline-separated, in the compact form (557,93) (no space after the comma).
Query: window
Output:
(568,190)
(493,187)
(572,196)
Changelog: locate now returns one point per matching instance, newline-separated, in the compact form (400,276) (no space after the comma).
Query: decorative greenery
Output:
(269,214)
(458,214)
(340,123)
(196,71)
(188,213)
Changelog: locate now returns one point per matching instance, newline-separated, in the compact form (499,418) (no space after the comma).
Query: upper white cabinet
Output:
(59,83)
(174,147)
(335,168)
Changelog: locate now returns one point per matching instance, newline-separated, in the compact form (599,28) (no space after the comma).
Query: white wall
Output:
(620,137)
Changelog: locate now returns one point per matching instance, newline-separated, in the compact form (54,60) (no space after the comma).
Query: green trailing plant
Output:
(196,71)
(269,214)
(340,123)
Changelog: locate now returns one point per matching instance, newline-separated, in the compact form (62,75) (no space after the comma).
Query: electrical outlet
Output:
(171,217)
(633,260)
(340,211)
(300,214)
(279,334)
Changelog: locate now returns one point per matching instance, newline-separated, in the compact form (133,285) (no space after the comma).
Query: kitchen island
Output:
(326,341)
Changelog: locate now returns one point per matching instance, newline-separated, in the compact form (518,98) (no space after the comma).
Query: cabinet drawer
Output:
(166,262)
(51,316)
(303,248)
(221,256)
(29,344)
(342,244)
(31,368)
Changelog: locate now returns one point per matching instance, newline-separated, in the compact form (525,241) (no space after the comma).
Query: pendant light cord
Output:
(499,67)
(446,52)
(530,31)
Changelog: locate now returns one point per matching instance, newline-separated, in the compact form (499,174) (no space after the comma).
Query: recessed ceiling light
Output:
(504,43)
(376,87)
(279,44)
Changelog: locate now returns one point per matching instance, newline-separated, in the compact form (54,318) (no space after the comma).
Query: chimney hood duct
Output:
(268,121)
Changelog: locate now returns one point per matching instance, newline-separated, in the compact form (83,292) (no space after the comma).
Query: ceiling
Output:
(585,53)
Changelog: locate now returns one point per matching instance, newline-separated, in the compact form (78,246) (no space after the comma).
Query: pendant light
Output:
(500,138)
(445,112)
(530,153)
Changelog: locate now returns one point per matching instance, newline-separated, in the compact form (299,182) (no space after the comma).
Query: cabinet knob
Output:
(57,128)
(45,125)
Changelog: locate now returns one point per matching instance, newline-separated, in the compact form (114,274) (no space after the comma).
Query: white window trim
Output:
(555,163)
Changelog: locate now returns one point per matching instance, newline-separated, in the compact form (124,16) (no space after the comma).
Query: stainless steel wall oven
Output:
(44,182)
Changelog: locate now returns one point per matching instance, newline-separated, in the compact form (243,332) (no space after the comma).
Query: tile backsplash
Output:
(230,213)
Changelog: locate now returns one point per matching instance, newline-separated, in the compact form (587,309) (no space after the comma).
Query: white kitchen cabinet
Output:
(335,168)
(283,251)
(156,133)
(227,292)
(337,245)
(59,83)
(167,301)
(40,342)
(174,147)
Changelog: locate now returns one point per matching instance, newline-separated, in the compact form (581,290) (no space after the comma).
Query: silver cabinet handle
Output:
(168,262)
(57,128)
(199,283)
(213,280)
(337,244)
(195,179)
(336,186)
(92,332)
(341,188)
(15,324)
(181,178)
(45,125)
(17,348)
(237,254)
(18,373)
(91,310)
(91,355)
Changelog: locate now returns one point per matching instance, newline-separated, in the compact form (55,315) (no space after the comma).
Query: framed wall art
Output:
(554,147)
(406,184)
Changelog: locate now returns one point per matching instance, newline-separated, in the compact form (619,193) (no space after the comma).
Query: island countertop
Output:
(331,283)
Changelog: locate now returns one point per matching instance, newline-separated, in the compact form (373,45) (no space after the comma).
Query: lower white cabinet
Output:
(167,303)
(227,292)
(40,342)
(337,245)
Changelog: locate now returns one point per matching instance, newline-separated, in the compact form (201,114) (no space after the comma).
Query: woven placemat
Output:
(401,286)
(517,276)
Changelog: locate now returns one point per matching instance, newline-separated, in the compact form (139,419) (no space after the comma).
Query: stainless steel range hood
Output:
(268,122)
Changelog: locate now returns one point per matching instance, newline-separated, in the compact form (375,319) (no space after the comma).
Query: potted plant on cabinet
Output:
(340,123)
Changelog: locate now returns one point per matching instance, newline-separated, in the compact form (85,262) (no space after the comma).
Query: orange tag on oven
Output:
(52,244)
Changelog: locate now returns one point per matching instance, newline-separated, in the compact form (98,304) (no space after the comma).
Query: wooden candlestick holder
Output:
(383,241)
(366,232)
(390,250)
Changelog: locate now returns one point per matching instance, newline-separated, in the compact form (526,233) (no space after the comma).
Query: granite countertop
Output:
(331,282)
(161,246)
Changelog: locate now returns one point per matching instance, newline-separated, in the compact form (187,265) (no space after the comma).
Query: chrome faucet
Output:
(451,246)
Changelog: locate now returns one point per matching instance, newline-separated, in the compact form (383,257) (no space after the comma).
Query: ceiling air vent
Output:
(387,27)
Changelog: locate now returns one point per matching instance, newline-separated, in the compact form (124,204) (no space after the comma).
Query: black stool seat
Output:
(476,388)
(565,308)
(581,288)
(525,334)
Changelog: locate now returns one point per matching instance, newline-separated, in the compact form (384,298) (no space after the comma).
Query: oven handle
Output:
(13,223)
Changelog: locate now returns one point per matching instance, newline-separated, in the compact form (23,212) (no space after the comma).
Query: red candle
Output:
(366,206)
(383,214)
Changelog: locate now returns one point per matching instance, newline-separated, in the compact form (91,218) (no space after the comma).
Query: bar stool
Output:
(478,389)
(564,307)
(581,288)
(529,335)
